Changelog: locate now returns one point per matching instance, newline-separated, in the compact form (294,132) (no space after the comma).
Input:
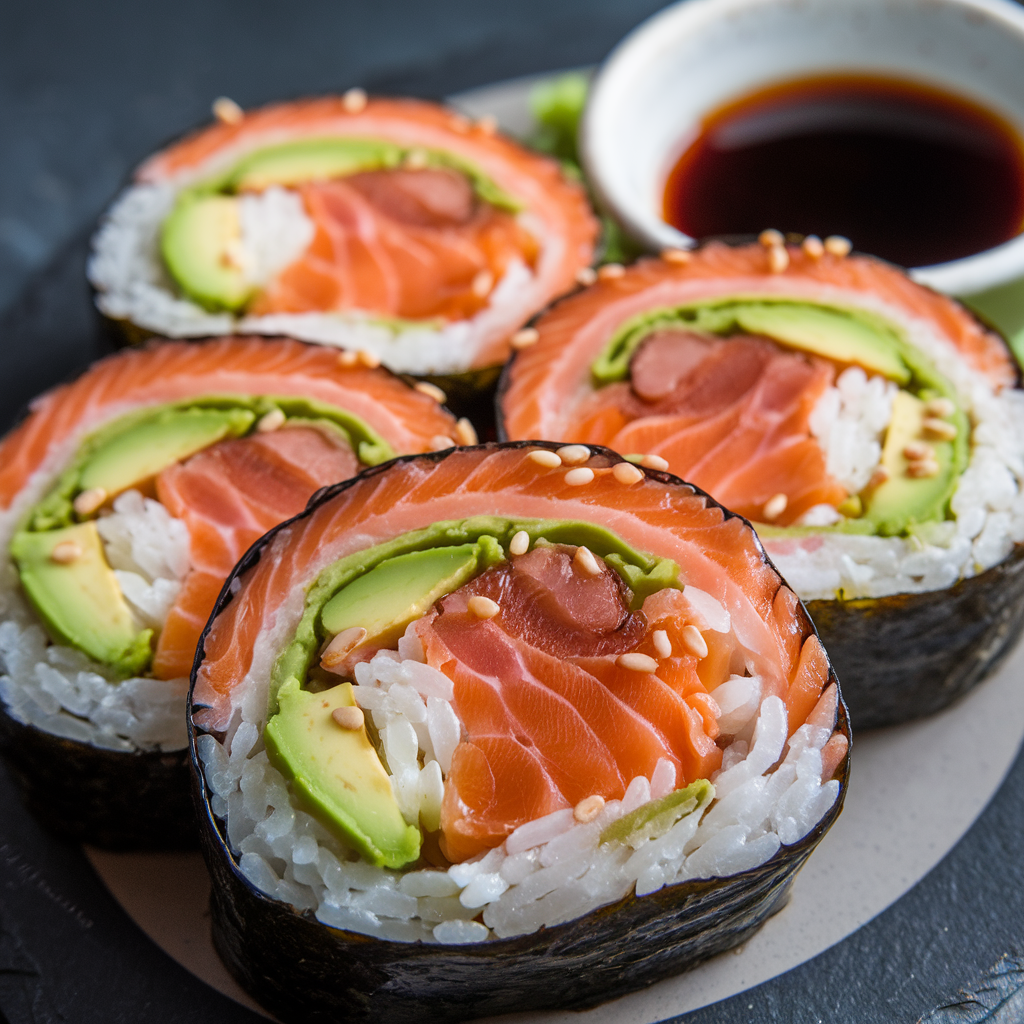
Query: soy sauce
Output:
(909,173)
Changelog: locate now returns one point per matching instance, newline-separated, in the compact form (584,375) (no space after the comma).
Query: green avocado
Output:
(78,598)
(654,819)
(201,243)
(386,599)
(338,774)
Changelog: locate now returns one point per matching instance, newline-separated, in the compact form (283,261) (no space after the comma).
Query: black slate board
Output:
(86,90)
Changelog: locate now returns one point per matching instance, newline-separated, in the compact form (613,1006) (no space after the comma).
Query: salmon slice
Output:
(708,430)
(549,714)
(377,218)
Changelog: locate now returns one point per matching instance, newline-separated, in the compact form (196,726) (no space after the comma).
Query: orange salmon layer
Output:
(411,243)
(234,491)
(549,715)
(730,415)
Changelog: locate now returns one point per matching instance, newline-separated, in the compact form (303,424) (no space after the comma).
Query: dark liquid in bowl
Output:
(908,173)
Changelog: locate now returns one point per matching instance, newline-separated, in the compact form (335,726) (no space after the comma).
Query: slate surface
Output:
(86,91)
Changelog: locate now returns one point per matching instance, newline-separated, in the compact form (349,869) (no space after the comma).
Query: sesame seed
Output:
(483,607)
(234,255)
(694,642)
(585,561)
(519,544)
(626,473)
(90,500)
(369,359)
(771,238)
(347,359)
(662,644)
(678,256)
(941,430)
(272,421)
(586,276)
(525,338)
(431,391)
(588,808)
(354,101)
(482,284)
(923,468)
(348,716)
(579,476)
(917,450)
(836,245)
(416,159)
(66,552)
(778,259)
(465,432)
(813,247)
(610,271)
(227,111)
(574,454)
(654,462)
(775,506)
(545,458)
(879,477)
(439,443)
(941,407)
(336,651)
(488,124)
(636,662)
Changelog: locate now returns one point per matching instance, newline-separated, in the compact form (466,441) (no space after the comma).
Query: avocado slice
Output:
(79,600)
(338,774)
(904,500)
(654,819)
(139,453)
(197,242)
(387,598)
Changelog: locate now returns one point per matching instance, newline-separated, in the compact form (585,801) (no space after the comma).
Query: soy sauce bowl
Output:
(648,100)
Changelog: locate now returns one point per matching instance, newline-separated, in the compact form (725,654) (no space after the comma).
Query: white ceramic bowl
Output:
(649,98)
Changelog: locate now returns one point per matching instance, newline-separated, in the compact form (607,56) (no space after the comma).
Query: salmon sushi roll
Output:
(871,429)
(504,705)
(126,497)
(392,225)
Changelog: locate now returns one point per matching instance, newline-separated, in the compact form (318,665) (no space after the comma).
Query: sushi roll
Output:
(392,225)
(126,496)
(505,706)
(871,429)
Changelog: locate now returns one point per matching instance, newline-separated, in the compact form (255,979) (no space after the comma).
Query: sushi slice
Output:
(126,497)
(509,705)
(392,225)
(872,429)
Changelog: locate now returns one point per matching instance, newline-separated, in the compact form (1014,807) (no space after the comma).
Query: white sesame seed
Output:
(579,476)
(66,552)
(662,644)
(336,651)
(813,247)
(348,716)
(545,458)
(488,124)
(519,544)
(636,662)
(678,256)
(90,500)
(879,477)
(836,245)
(626,473)
(654,462)
(574,454)
(227,111)
(465,432)
(270,422)
(416,159)
(424,387)
(770,238)
(941,407)
(694,642)
(778,259)
(588,808)
(369,359)
(775,506)
(610,271)
(482,284)
(923,468)
(941,430)
(917,450)
(525,338)
(585,561)
(586,276)
(438,443)
(347,359)
(354,101)
(483,607)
